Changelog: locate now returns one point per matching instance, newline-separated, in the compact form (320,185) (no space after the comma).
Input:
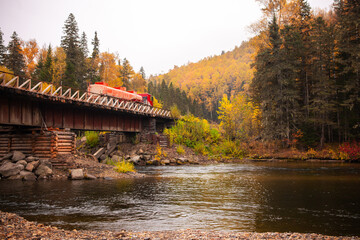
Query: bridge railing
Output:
(41,88)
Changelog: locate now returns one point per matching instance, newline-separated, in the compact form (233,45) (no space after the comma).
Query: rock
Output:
(108,178)
(17,156)
(46,162)
(134,159)
(116,158)
(99,152)
(146,157)
(22,162)
(6,157)
(10,169)
(43,170)
(182,159)
(140,151)
(178,162)
(166,162)
(127,157)
(36,163)
(15,177)
(28,176)
(103,157)
(31,159)
(77,174)
(43,177)
(89,176)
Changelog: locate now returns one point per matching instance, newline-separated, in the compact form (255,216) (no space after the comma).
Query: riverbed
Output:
(254,197)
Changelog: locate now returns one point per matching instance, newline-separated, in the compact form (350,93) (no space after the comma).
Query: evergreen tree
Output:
(70,43)
(93,73)
(15,60)
(46,74)
(2,49)
(126,73)
(84,45)
(142,72)
(96,46)
(348,64)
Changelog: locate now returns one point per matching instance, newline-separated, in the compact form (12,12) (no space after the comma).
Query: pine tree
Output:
(46,74)
(15,60)
(93,73)
(142,72)
(2,49)
(70,43)
(96,46)
(126,73)
(348,64)
(84,45)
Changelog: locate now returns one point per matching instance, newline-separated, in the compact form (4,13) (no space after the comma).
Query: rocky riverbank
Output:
(13,226)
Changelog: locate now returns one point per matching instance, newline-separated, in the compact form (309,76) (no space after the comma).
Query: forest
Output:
(296,82)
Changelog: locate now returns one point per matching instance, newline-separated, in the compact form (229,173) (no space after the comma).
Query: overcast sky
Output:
(155,34)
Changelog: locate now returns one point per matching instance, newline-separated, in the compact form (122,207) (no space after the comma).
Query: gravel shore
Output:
(13,226)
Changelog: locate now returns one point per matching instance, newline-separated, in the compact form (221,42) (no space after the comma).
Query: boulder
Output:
(43,170)
(103,157)
(134,159)
(182,159)
(89,176)
(29,167)
(46,162)
(31,159)
(10,169)
(22,162)
(35,163)
(165,162)
(28,176)
(76,174)
(146,157)
(6,157)
(83,139)
(140,151)
(17,156)
(15,177)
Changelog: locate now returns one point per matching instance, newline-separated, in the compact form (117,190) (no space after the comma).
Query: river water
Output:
(261,197)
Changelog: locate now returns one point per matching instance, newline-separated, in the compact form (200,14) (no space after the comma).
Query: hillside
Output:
(208,80)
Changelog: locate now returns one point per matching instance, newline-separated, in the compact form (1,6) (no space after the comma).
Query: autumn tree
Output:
(59,65)
(30,50)
(15,60)
(142,72)
(108,70)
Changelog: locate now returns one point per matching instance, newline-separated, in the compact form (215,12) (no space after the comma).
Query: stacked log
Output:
(44,144)
(66,142)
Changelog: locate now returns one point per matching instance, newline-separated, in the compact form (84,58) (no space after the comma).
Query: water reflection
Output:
(249,197)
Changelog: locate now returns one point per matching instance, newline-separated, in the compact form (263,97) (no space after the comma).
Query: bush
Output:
(350,150)
(92,138)
(180,150)
(231,149)
(122,166)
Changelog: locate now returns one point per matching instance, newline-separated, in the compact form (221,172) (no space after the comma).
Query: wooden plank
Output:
(58,116)
(4,110)
(15,111)
(26,113)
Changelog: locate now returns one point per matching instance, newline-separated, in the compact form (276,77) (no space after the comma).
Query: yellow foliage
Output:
(157,103)
(109,71)
(59,65)
(30,50)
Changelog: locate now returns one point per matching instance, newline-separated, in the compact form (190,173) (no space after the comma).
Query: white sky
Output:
(155,34)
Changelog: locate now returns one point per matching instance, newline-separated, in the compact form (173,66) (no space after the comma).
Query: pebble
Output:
(13,226)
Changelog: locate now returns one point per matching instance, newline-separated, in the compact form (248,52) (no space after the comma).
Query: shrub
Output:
(231,149)
(180,150)
(124,167)
(350,150)
(92,138)
(200,148)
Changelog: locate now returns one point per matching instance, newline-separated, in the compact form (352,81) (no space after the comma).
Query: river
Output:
(259,197)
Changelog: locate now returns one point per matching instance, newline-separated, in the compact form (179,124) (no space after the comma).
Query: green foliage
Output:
(92,138)
(15,60)
(175,112)
(180,150)
(229,148)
